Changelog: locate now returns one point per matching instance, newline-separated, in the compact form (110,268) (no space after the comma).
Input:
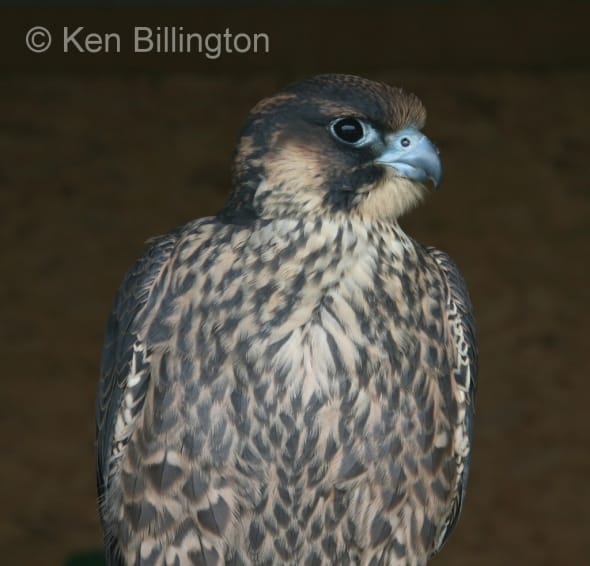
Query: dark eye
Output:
(348,130)
(405,142)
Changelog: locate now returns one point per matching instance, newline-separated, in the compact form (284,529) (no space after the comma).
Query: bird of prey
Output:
(292,380)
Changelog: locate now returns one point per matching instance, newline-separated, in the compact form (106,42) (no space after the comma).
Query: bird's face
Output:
(334,145)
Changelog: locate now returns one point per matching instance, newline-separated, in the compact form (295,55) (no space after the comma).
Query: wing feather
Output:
(462,326)
(124,373)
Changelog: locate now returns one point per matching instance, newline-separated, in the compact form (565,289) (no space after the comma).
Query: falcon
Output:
(292,381)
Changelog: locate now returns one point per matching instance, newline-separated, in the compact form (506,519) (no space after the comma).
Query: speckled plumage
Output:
(292,381)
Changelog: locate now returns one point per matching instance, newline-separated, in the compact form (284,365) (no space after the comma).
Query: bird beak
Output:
(413,156)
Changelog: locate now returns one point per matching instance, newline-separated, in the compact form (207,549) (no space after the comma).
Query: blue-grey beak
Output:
(413,156)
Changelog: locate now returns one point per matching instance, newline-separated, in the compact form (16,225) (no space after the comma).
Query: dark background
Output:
(98,153)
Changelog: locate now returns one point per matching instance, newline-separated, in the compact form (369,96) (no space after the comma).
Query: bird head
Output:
(335,145)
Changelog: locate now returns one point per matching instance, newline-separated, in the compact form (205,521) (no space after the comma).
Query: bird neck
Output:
(330,246)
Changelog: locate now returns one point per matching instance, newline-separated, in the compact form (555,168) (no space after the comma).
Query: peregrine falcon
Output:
(292,381)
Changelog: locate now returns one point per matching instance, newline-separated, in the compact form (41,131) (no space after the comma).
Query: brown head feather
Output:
(287,163)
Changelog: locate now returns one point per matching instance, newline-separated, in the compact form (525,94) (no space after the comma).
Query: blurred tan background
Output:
(97,155)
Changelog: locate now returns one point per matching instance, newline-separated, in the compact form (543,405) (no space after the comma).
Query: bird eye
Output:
(348,130)
(405,142)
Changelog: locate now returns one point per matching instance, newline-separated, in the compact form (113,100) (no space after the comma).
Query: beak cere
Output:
(413,156)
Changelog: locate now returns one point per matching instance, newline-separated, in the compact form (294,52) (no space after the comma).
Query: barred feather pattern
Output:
(462,328)
(306,400)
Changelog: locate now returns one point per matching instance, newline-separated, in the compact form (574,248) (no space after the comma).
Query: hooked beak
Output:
(413,156)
